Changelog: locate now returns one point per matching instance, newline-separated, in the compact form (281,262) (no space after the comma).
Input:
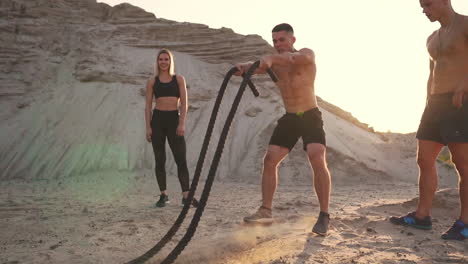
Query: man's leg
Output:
(322,182)
(427,155)
(459,230)
(273,157)
(460,158)
(317,159)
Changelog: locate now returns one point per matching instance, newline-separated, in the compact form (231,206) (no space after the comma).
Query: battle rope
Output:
(192,228)
(214,165)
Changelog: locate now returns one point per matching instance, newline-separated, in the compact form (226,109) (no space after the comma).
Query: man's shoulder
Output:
(432,35)
(306,51)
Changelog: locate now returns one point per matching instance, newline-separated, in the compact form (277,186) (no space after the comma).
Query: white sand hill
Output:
(76,174)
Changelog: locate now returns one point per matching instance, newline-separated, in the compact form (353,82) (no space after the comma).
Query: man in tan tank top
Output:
(445,118)
(295,70)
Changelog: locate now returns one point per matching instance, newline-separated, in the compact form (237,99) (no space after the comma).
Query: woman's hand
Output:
(180,130)
(148,134)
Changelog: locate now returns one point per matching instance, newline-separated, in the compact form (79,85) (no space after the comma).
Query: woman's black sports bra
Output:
(170,89)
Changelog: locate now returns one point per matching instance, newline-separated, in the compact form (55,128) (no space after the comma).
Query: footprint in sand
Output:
(349,235)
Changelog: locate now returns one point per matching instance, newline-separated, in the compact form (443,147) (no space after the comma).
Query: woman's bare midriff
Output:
(167,103)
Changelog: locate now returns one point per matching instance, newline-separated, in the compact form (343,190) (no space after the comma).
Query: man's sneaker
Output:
(321,227)
(163,200)
(262,216)
(195,203)
(411,220)
(459,231)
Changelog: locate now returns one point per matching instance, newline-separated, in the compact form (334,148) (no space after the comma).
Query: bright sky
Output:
(371,55)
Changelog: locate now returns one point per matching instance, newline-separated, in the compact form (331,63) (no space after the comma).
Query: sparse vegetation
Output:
(445,157)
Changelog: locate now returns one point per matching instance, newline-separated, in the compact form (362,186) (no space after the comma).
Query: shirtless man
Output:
(296,73)
(445,119)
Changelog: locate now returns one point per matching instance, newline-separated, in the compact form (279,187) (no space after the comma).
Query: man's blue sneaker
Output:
(459,231)
(411,220)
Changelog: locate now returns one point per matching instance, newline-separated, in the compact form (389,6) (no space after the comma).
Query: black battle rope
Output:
(214,165)
(175,227)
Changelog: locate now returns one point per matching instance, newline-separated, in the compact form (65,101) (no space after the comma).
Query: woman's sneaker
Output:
(411,220)
(262,216)
(459,231)
(163,200)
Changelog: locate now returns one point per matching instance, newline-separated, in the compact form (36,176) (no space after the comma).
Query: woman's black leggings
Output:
(164,124)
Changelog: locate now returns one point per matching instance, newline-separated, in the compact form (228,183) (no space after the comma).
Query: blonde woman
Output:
(167,121)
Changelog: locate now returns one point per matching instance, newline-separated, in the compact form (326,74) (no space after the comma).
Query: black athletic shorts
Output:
(442,122)
(292,126)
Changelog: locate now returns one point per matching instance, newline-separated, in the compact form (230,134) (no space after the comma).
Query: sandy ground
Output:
(109,218)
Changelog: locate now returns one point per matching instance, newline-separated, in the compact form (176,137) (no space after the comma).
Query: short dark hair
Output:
(283,27)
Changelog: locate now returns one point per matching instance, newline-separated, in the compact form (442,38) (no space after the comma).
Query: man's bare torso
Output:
(296,84)
(448,49)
